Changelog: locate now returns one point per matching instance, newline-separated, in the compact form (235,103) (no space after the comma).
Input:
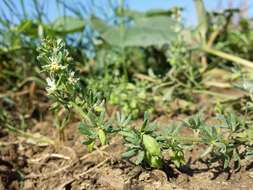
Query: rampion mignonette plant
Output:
(62,83)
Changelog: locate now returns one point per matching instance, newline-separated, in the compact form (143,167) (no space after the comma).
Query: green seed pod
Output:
(153,151)
(151,146)
(155,162)
(102,136)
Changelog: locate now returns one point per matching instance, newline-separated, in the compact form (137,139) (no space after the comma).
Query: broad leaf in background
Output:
(61,25)
(146,31)
(28,27)
(67,24)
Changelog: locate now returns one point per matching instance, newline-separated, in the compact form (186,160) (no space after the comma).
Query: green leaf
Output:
(89,143)
(146,31)
(91,146)
(202,20)
(177,158)
(249,154)
(129,153)
(145,123)
(109,129)
(28,27)
(150,128)
(132,146)
(134,141)
(140,157)
(98,24)
(84,129)
(173,129)
(67,24)
(128,134)
(151,31)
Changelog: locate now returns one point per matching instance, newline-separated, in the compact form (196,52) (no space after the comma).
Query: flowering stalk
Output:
(62,83)
(64,88)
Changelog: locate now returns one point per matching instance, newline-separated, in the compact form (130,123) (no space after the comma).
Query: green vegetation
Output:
(107,75)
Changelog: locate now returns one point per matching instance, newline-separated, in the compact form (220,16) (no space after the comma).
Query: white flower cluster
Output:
(55,65)
(58,66)
(51,86)
(72,79)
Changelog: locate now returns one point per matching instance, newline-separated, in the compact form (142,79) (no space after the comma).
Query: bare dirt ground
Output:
(26,164)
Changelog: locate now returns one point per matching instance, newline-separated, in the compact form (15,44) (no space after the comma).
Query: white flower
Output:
(72,79)
(55,65)
(51,85)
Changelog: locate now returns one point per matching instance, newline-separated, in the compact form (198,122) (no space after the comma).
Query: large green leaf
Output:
(150,31)
(67,24)
(60,26)
(28,27)
(146,31)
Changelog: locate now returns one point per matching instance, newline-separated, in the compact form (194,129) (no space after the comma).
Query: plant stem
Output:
(38,139)
(80,112)
(202,28)
(225,96)
(125,65)
(61,134)
(218,84)
(186,139)
(227,56)
(202,19)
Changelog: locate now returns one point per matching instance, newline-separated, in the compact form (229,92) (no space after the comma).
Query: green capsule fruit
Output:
(151,146)
(153,151)
(155,162)
(102,136)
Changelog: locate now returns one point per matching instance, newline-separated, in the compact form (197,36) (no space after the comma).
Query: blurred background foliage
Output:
(138,60)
